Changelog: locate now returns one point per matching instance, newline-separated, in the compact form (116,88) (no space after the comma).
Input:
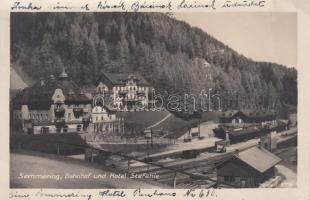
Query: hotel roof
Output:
(121,78)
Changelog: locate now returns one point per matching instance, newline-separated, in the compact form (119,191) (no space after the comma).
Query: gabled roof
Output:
(121,78)
(249,114)
(41,93)
(258,158)
(245,131)
(229,113)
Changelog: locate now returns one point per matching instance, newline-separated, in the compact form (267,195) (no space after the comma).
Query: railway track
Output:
(194,170)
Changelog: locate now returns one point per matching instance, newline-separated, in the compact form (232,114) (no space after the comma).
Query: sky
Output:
(261,36)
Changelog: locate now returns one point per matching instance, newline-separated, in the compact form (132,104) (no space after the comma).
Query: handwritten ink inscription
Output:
(18,195)
(194,193)
(189,5)
(235,4)
(140,5)
(25,6)
(109,6)
(156,193)
(114,193)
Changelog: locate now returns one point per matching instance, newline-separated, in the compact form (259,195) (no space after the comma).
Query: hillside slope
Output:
(16,82)
(18,78)
(173,56)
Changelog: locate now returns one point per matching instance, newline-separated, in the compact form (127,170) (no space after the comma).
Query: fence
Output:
(130,140)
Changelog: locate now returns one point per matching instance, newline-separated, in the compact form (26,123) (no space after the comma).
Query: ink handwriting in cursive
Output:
(25,6)
(112,193)
(194,193)
(192,5)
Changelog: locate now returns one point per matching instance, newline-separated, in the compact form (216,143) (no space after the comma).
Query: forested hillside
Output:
(173,56)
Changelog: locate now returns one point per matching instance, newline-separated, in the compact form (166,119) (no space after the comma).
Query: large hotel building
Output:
(125,91)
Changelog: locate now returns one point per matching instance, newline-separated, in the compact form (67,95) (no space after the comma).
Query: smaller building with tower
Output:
(52,105)
(59,105)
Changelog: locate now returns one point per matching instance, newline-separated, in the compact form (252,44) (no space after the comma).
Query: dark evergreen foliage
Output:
(174,57)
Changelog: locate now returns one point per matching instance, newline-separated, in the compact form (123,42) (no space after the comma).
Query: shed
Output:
(248,168)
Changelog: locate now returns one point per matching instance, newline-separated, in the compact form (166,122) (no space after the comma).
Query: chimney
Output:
(227,136)
(259,144)
(42,82)
(63,74)
(237,152)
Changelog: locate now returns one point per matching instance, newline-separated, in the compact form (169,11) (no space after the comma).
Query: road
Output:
(159,122)
(182,146)
(290,177)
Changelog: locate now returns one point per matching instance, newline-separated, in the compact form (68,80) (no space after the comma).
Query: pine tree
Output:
(103,54)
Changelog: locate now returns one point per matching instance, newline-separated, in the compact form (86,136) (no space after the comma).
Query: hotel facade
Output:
(124,91)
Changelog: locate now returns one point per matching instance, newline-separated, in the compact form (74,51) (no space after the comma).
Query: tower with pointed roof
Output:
(63,74)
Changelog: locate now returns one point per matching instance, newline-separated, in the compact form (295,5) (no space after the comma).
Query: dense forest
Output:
(173,56)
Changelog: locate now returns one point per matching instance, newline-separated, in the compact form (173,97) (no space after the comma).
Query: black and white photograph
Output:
(148,100)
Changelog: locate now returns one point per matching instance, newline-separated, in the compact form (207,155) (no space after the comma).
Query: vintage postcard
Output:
(155,99)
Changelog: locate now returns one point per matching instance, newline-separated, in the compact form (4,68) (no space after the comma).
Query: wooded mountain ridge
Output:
(174,57)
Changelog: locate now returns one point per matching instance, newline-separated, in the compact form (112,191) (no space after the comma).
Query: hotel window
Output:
(101,118)
(69,116)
